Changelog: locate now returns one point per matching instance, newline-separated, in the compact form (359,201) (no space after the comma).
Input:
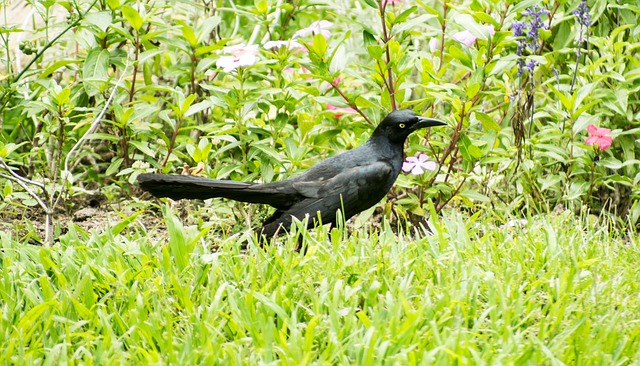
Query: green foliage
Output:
(559,290)
(516,140)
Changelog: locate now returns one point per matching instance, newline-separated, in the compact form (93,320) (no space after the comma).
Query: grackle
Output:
(352,181)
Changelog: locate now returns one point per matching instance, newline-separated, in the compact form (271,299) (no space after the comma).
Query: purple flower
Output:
(535,11)
(418,164)
(582,13)
(517,28)
(584,19)
(528,36)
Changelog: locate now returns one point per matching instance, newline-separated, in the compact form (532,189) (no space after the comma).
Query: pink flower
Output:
(418,164)
(491,29)
(241,55)
(599,136)
(339,111)
(336,81)
(465,37)
(319,26)
(468,39)
(297,72)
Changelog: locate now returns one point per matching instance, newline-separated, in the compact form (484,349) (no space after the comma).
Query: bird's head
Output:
(398,125)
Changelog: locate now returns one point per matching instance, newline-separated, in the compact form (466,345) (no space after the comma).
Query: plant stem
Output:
(386,38)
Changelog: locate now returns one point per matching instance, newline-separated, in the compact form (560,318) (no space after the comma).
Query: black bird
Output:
(352,181)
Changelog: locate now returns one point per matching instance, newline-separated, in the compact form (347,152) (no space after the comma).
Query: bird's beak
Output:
(428,122)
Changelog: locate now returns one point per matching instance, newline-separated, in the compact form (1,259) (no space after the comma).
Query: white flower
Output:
(434,44)
(319,26)
(275,44)
(417,164)
(241,55)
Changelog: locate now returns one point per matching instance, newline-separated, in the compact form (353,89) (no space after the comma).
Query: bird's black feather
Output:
(352,181)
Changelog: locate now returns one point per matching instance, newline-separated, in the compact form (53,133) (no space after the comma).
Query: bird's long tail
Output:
(186,186)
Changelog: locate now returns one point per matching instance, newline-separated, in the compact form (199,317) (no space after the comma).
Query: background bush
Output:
(517,105)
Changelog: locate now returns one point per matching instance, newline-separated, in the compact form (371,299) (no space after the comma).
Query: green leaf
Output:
(563,36)
(127,220)
(132,16)
(63,96)
(458,54)
(468,150)
(189,35)
(114,167)
(114,4)
(470,24)
(184,108)
(101,20)
(375,51)
(474,196)
(567,103)
(55,66)
(404,15)
(261,6)
(371,3)
(472,90)
(207,26)
(368,38)
(199,107)
(178,244)
(487,122)
(486,18)
(8,189)
(319,44)
(143,147)
(96,71)
(96,65)
(6,149)
(10,29)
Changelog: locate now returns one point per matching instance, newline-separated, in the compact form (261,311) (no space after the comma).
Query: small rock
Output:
(84,214)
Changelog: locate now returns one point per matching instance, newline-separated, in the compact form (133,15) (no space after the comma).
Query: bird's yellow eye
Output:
(401,125)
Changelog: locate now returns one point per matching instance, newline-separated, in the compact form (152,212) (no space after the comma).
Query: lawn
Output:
(559,289)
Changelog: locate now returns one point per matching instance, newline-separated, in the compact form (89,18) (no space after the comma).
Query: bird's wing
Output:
(352,191)
(358,181)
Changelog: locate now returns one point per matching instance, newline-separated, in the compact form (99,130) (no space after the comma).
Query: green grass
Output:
(561,290)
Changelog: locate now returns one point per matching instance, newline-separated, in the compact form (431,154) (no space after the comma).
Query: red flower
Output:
(339,111)
(599,136)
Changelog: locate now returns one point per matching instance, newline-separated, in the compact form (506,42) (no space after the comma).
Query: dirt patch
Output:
(30,226)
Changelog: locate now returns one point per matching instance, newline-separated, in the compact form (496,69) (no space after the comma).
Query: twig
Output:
(23,182)
(66,173)
(349,102)
(386,39)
